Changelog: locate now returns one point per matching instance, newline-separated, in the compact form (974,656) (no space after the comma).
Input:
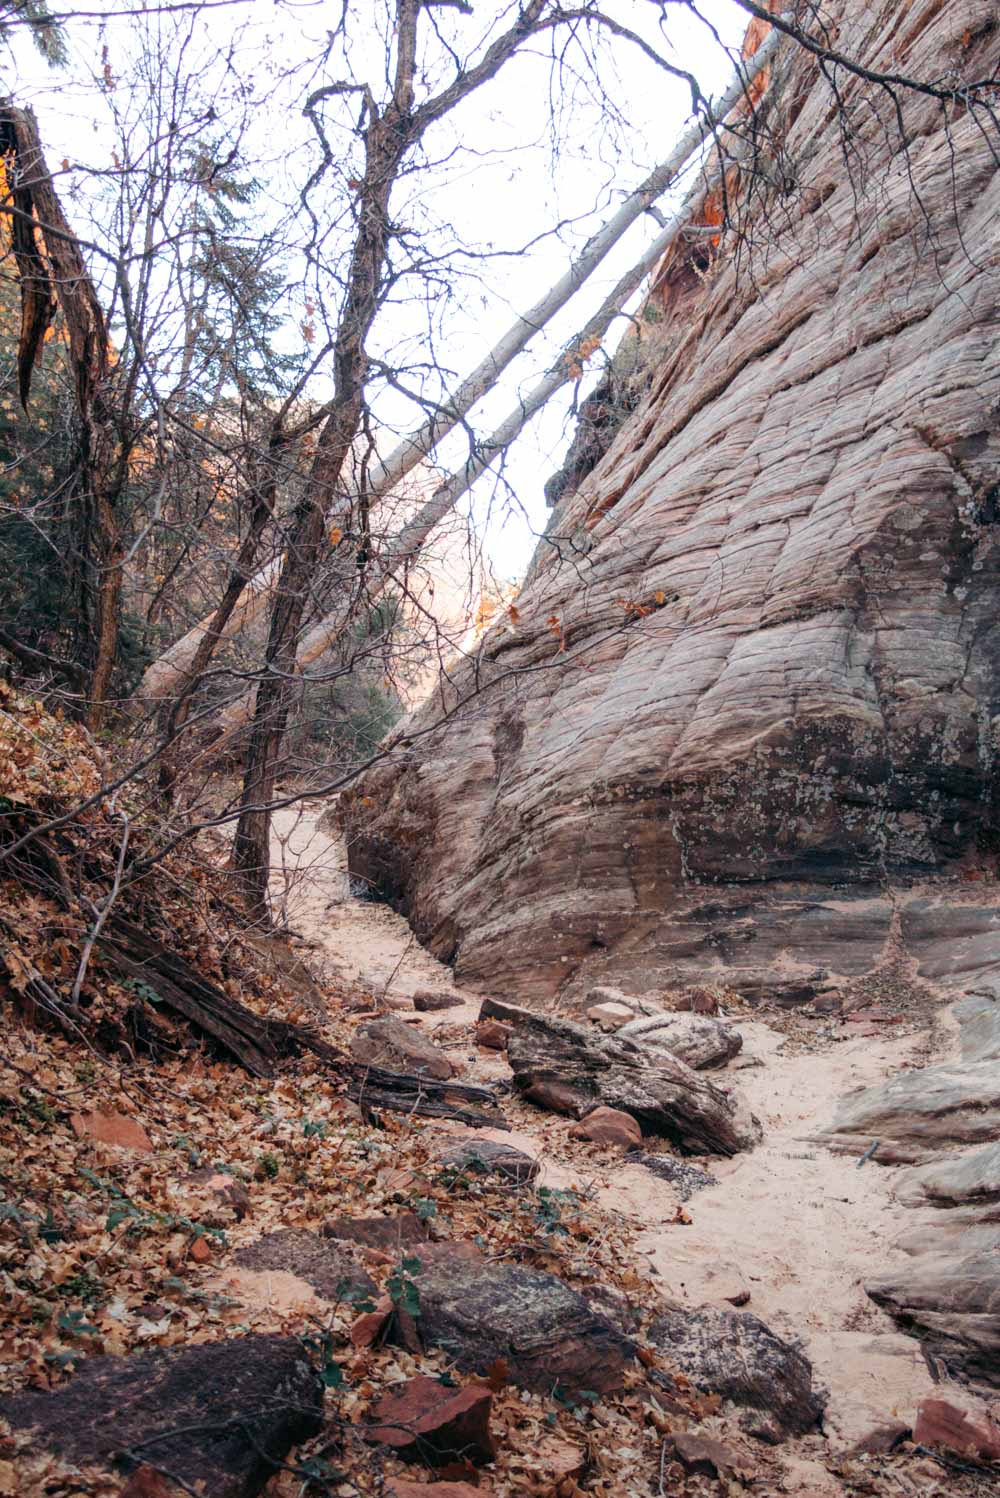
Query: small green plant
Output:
(314,1128)
(403,1289)
(75,1324)
(549,1206)
(81,1286)
(268,1165)
(425,1208)
(330,1372)
(142,990)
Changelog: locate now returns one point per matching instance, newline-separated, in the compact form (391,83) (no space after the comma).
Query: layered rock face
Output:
(751,683)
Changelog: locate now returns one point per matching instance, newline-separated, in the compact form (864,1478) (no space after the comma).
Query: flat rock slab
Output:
(966,1180)
(424,1420)
(544,1331)
(213,1413)
(572,1068)
(733,1354)
(921,1113)
(387,1234)
(697,1039)
(685,1178)
(333,1272)
(396,1046)
(488,1157)
(952,1304)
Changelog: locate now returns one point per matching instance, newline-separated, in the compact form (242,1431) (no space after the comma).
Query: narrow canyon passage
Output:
(789,1231)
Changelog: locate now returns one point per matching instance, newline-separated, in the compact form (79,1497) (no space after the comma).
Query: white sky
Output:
(498,190)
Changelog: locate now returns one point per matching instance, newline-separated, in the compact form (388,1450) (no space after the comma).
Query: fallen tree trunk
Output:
(175,665)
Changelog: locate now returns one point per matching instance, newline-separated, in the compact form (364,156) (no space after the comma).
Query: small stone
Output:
(111,1128)
(423,1420)
(427,1002)
(493,1034)
(224,1186)
(942,1427)
(609,1126)
(200,1251)
(398,1001)
(611,1015)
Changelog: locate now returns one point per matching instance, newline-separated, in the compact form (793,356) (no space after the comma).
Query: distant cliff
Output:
(753,677)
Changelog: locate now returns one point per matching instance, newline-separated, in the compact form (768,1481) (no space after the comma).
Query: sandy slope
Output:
(799,1226)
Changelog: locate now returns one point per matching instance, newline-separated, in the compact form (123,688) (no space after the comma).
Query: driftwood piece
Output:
(374,1088)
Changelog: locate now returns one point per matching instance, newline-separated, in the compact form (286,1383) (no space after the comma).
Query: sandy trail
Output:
(796,1225)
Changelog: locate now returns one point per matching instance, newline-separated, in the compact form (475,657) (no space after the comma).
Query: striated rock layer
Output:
(752,679)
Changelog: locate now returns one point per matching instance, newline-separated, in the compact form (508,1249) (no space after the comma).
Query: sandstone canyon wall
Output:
(749,695)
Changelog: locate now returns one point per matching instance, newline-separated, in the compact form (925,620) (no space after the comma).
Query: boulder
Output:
(942,1427)
(216,1414)
(917,1114)
(427,1421)
(545,1332)
(332,1271)
(396,1046)
(952,1302)
(559,1064)
(966,1180)
(697,1039)
(427,1001)
(488,1157)
(733,1354)
(609,1126)
(116,1129)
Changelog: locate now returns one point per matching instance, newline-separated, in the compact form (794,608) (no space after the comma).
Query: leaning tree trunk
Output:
(52,273)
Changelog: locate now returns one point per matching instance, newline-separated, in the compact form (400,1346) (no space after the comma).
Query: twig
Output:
(102,914)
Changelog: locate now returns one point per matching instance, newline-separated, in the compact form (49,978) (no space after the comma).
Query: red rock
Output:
(425,1421)
(146,1482)
(699,1001)
(398,1487)
(493,1034)
(939,1425)
(200,1251)
(369,1327)
(706,1456)
(609,1126)
(561,1097)
(111,1128)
